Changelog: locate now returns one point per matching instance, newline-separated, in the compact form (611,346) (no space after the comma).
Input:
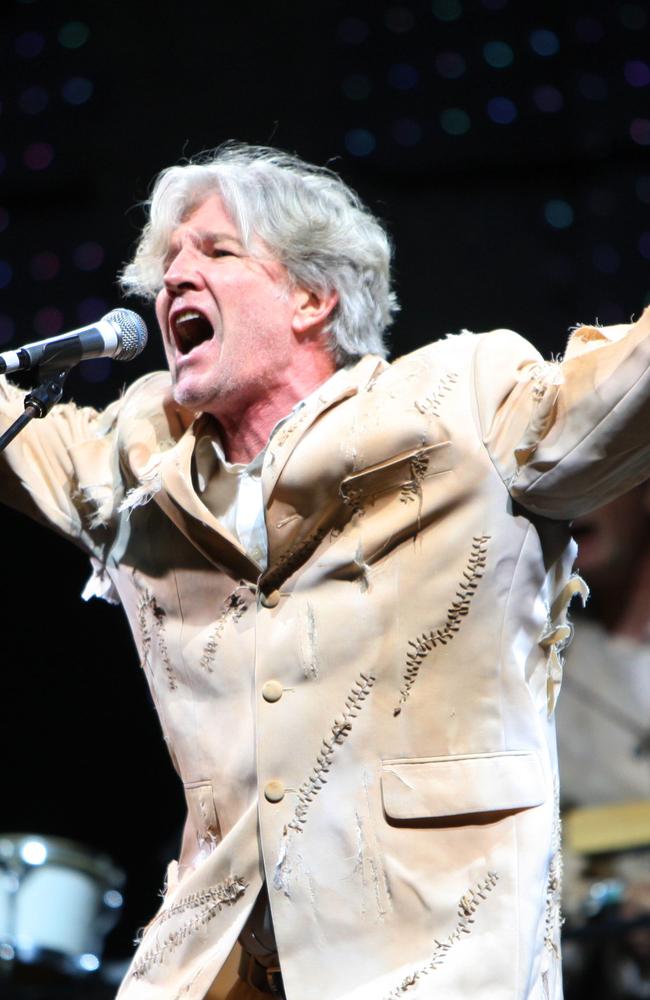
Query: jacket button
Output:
(272,691)
(271,599)
(274,791)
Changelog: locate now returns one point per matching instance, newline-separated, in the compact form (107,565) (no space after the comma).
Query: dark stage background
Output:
(505,144)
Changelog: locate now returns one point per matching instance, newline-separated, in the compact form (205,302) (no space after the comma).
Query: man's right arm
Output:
(61,468)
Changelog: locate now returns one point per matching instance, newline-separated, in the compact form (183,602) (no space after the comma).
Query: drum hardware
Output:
(58,901)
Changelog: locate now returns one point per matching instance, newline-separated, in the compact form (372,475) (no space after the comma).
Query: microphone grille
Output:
(132,332)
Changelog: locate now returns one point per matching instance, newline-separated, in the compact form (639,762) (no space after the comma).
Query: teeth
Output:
(186,317)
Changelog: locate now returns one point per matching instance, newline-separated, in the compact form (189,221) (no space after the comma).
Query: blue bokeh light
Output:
(403,76)
(501,110)
(544,42)
(606,258)
(30,44)
(360,142)
(6,273)
(498,54)
(558,213)
(77,90)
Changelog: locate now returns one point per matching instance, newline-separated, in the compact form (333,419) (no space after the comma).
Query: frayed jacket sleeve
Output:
(567,436)
(60,470)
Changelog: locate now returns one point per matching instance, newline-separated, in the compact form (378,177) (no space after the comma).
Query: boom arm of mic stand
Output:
(38,402)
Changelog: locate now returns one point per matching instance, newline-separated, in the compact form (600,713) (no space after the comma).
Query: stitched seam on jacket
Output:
(467,907)
(209,902)
(431,403)
(235,608)
(151,619)
(339,732)
(458,609)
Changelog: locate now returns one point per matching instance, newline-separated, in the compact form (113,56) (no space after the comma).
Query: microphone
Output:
(121,335)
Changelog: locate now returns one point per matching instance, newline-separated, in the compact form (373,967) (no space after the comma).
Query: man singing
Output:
(348,581)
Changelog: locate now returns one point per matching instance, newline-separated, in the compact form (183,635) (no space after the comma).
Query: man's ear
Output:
(311,310)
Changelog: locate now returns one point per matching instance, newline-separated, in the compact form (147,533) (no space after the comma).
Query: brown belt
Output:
(266,979)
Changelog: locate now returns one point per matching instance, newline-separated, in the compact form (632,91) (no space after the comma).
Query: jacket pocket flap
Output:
(411,467)
(435,787)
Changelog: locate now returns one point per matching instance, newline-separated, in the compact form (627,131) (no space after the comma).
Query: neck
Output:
(245,430)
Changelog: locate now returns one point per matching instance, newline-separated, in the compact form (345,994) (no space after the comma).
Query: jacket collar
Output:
(178,498)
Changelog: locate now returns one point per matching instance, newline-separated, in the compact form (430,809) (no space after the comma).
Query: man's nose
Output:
(183,272)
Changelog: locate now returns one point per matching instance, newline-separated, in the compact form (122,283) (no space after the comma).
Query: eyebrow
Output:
(202,236)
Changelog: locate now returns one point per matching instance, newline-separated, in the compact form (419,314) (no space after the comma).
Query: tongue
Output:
(194,332)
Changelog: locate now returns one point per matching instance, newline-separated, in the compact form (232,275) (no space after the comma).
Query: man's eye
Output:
(220,252)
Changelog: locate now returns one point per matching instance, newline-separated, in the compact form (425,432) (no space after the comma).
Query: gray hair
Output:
(309,219)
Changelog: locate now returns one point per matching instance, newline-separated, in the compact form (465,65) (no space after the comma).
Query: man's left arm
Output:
(568,436)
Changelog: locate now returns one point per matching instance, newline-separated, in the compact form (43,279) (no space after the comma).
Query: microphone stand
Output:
(38,402)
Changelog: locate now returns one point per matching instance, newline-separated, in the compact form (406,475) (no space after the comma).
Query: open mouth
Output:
(190,328)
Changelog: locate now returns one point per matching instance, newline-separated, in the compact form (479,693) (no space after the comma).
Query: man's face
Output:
(226,317)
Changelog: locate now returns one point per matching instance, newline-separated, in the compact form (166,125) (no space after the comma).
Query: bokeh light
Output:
(637,73)
(38,156)
(77,90)
(33,100)
(602,202)
(360,141)
(6,273)
(399,19)
(451,65)
(644,244)
(558,213)
(447,10)
(548,99)
(48,321)
(455,121)
(501,110)
(30,44)
(7,329)
(356,87)
(88,256)
(642,187)
(402,76)
(407,132)
(589,31)
(353,31)
(606,258)
(633,16)
(44,266)
(544,42)
(74,34)
(91,309)
(498,55)
(640,131)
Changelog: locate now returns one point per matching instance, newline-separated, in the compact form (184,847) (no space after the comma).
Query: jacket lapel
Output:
(178,498)
(301,476)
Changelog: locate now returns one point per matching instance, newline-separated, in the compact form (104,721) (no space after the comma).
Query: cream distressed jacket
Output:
(368,723)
